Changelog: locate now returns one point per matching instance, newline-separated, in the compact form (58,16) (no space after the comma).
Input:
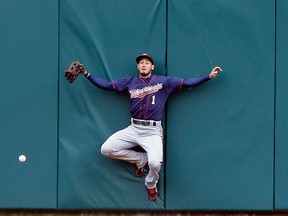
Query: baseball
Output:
(22,158)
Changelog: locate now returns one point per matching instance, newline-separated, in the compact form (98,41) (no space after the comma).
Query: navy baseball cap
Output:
(144,55)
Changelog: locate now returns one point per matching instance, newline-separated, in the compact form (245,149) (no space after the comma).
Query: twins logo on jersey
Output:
(140,93)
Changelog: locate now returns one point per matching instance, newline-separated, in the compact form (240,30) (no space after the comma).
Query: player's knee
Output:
(155,164)
(105,150)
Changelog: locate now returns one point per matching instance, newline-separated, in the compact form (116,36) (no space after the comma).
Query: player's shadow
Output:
(138,149)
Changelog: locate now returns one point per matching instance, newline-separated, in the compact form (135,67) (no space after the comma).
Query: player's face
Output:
(145,67)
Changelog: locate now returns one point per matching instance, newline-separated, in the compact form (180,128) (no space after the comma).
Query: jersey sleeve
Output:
(174,84)
(117,85)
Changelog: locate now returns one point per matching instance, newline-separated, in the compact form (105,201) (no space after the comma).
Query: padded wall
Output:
(220,135)
(226,140)
(106,37)
(281,121)
(29,95)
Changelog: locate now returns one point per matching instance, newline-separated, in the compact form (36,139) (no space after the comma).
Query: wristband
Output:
(86,74)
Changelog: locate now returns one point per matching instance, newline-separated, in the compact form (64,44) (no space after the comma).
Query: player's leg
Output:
(152,143)
(155,158)
(119,144)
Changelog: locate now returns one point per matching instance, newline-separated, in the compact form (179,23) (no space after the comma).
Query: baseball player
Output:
(148,95)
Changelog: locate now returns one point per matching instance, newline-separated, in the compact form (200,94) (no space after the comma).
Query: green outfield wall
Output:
(225,141)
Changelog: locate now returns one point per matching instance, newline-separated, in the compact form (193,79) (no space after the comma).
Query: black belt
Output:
(144,123)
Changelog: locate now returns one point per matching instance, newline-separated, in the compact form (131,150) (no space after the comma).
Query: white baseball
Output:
(22,158)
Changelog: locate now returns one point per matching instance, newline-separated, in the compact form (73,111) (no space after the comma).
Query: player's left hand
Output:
(214,72)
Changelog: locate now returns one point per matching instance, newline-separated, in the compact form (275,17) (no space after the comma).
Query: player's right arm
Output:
(100,83)
(118,85)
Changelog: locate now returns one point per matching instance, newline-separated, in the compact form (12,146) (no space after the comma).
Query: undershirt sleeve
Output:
(100,83)
(177,84)
(192,82)
(117,85)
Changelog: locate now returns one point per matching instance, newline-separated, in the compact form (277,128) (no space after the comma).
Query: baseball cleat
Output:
(153,194)
(141,171)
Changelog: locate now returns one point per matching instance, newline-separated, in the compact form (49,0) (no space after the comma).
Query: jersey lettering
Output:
(140,93)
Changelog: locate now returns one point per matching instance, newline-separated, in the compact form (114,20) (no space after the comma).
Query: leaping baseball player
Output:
(148,96)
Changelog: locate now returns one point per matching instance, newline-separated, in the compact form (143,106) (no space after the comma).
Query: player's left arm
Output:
(192,82)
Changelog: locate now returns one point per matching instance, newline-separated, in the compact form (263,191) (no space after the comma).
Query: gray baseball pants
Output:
(150,138)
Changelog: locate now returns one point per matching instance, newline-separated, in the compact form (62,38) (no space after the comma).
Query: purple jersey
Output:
(148,96)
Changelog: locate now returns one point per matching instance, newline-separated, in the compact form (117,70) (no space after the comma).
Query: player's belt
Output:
(146,122)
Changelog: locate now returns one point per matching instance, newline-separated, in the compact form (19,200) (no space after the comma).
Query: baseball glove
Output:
(74,70)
